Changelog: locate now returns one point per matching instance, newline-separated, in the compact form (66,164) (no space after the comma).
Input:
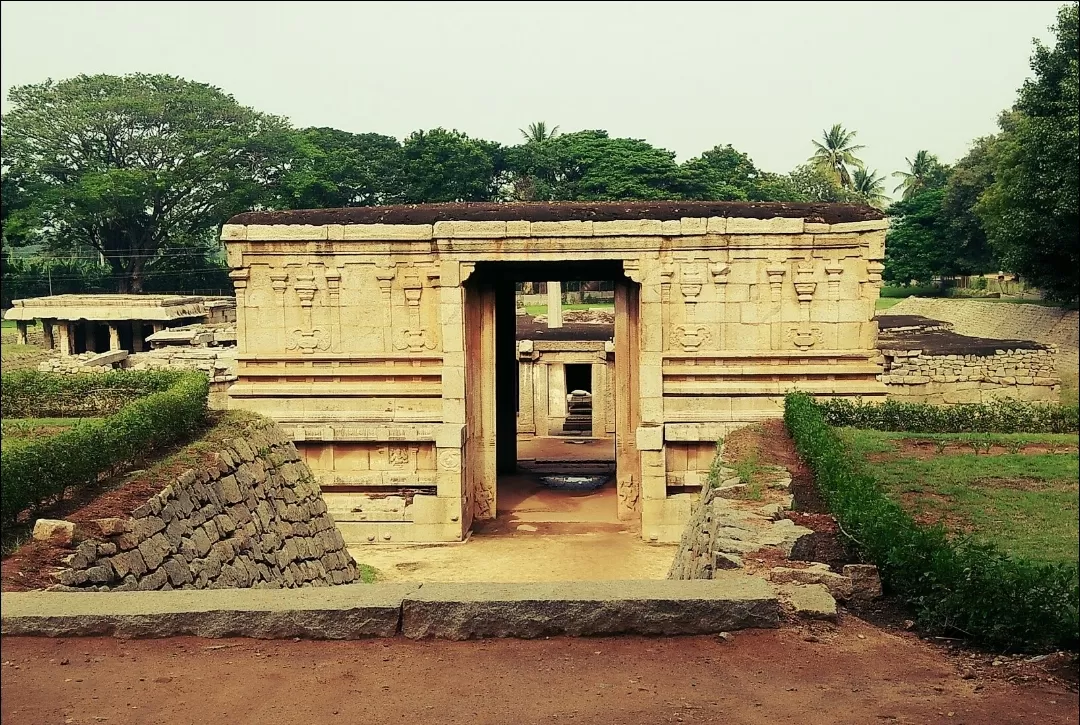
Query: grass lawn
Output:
(20,429)
(1025,503)
(535,310)
(884,303)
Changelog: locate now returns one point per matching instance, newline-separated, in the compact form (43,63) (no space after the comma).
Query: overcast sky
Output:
(765,77)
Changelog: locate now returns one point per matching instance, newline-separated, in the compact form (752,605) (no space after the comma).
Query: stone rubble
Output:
(253,517)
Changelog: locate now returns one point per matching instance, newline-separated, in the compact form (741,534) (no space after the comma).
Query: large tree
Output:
(1031,210)
(126,166)
(924,172)
(722,174)
(917,244)
(835,155)
(592,166)
(968,180)
(336,168)
(442,166)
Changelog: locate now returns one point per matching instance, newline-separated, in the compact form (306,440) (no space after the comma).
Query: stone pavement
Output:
(445,611)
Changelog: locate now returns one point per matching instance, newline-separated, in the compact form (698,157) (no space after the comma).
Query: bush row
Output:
(37,470)
(1006,416)
(29,393)
(956,586)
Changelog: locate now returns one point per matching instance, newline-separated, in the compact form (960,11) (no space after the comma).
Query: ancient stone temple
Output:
(383,340)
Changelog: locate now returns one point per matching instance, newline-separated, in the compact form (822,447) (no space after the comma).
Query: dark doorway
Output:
(578,377)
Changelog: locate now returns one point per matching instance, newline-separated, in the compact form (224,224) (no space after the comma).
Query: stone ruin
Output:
(382,340)
(925,361)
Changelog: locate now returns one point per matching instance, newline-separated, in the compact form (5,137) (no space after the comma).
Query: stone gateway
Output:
(382,340)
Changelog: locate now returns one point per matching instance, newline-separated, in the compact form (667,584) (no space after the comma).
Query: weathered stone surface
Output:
(176,543)
(865,581)
(56,532)
(839,586)
(465,611)
(343,612)
(809,601)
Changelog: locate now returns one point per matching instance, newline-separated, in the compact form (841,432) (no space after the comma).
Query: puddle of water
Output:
(575,483)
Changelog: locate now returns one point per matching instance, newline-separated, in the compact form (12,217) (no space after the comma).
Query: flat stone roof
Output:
(110,307)
(528,329)
(564,211)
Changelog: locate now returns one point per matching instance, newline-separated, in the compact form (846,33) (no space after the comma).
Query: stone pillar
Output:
(599,398)
(541,426)
(47,334)
(556,394)
(158,326)
(114,336)
(67,338)
(554,305)
(20,329)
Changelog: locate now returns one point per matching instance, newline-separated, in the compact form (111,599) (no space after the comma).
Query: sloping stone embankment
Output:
(252,516)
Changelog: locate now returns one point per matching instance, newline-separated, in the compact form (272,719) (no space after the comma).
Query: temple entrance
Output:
(549,404)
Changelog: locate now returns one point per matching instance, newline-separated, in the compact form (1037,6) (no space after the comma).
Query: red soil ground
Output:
(852,674)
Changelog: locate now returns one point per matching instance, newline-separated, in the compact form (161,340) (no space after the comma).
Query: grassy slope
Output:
(1026,504)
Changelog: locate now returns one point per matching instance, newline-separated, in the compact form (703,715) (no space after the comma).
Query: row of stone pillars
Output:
(65,335)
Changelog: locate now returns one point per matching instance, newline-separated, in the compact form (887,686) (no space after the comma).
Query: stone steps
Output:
(438,610)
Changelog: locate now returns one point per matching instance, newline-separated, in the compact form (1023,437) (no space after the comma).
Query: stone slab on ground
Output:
(348,611)
(466,611)
(809,601)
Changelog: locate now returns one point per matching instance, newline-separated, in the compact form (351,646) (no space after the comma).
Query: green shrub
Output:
(911,291)
(1006,416)
(29,393)
(39,469)
(954,586)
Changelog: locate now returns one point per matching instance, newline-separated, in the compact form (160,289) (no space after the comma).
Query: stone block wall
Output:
(252,516)
(1018,374)
(1048,325)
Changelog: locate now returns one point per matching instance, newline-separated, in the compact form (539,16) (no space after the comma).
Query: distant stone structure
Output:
(925,361)
(76,324)
(553,363)
(382,338)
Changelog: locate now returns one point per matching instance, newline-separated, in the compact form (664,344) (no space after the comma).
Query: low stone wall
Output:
(1048,325)
(73,364)
(920,376)
(252,516)
(219,363)
(722,530)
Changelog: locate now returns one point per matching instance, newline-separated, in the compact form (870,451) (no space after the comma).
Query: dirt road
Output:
(857,674)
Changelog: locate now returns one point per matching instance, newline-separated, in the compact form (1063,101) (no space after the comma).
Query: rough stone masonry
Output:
(252,517)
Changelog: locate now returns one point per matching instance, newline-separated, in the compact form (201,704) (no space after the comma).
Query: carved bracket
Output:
(632,269)
(690,337)
(804,281)
(413,339)
(834,270)
(804,336)
(307,342)
(776,271)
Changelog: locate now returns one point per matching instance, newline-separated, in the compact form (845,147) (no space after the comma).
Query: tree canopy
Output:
(1030,211)
(130,166)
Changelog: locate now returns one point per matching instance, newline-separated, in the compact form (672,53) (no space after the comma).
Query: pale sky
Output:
(765,77)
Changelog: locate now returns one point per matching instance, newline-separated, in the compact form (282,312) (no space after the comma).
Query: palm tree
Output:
(868,184)
(924,172)
(835,153)
(538,132)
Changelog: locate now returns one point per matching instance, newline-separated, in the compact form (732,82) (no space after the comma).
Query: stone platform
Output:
(445,610)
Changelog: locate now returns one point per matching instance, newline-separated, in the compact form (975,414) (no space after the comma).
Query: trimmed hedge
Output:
(40,469)
(1006,416)
(953,585)
(33,394)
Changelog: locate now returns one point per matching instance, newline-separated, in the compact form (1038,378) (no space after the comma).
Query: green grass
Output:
(535,310)
(17,430)
(368,573)
(1025,504)
(884,303)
